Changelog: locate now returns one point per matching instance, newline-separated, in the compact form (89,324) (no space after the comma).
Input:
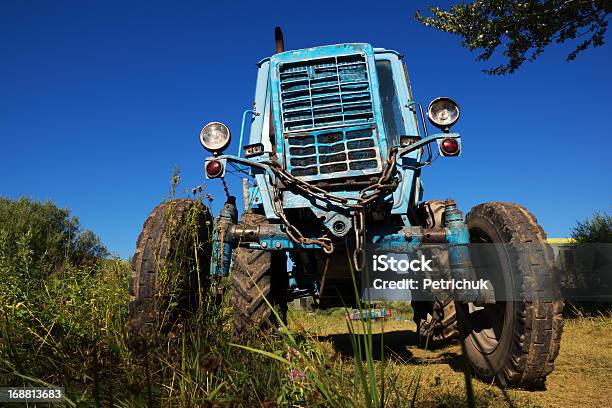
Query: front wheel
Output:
(514,341)
(259,283)
(170,266)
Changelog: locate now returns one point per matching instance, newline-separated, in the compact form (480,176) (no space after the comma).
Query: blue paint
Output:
(397,243)
(458,236)
(222,249)
(329,123)
(304,149)
(244,116)
(319,55)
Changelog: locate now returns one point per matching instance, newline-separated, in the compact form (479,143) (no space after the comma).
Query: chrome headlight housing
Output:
(443,112)
(215,137)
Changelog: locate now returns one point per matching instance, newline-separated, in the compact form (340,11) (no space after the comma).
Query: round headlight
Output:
(215,136)
(443,112)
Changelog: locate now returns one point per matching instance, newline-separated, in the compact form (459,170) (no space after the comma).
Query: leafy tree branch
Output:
(522,29)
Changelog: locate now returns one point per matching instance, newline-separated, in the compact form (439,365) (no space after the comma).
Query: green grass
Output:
(70,331)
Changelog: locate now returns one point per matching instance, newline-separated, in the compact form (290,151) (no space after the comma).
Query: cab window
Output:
(392,113)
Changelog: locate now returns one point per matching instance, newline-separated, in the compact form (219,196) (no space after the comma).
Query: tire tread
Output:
(538,331)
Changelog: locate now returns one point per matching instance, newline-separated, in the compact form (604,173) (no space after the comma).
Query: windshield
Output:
(392,114)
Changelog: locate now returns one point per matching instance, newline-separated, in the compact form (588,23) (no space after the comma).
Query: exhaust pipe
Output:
(280,47)
(280,41)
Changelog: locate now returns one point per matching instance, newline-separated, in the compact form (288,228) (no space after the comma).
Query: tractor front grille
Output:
(328,117)
(325,92)
(333,153)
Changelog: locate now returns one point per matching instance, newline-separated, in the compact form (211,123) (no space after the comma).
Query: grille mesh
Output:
(333,153)
(325,92)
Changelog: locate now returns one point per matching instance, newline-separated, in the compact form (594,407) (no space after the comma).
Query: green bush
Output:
(41,235)
(597,229)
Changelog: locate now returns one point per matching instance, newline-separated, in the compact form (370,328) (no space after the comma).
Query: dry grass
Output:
(582,378)
(583,373)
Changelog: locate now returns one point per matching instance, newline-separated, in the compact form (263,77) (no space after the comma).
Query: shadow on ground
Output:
(397,346)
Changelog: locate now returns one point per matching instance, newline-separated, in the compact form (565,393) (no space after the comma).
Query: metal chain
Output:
(295,234)
(385,182)
(359,227)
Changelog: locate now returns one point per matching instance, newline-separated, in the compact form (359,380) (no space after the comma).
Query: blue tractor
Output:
(332,168)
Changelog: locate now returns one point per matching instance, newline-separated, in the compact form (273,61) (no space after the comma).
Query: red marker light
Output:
(214,168)
(449,147)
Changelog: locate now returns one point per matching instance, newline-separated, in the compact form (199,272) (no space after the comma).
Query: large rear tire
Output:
(516,340)
(257,274)
(171,264)
(436,319)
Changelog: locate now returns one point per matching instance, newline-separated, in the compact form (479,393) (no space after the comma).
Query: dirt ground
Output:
(582,377)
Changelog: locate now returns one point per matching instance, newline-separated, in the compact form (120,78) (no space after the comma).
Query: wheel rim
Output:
(486,323)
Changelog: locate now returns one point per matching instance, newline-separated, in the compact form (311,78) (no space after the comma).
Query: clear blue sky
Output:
(100,100)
